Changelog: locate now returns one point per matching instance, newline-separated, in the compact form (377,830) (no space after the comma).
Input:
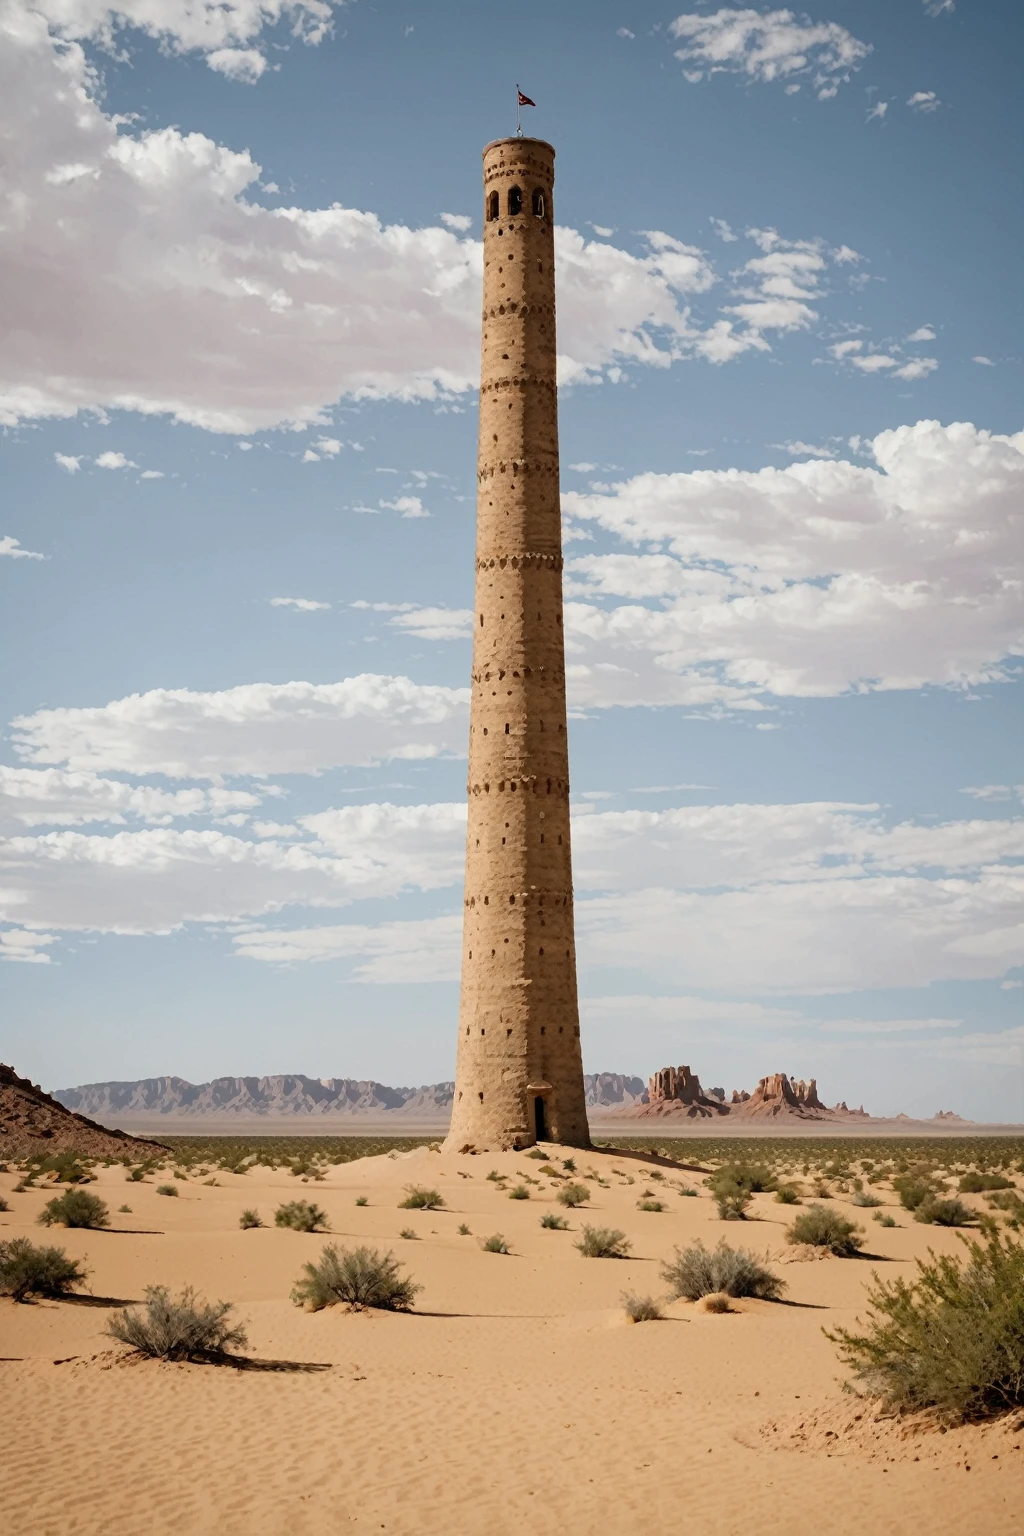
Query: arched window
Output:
(539,202)
(515,201)
(493,208)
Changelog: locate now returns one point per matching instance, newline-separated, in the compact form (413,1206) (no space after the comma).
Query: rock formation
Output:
(676,1092)
(32,1122)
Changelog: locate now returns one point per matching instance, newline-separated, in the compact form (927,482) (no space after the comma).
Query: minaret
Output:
(519,1077)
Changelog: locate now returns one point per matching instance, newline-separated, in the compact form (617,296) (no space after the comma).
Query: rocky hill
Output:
(33,1122)
(676,1093)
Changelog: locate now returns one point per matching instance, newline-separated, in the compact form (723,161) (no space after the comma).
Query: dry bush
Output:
(952,1340)
(409,1235)
(495,1244)
(463,1230)
(359,1277)
(26,1270)
(640,1309)
(519,1192)
(301,1216)
(972,1183)
(573,1195)
(167,1189)
(419,1199)
(75,1208)
(717,1301)
(865,1200)
(249,1220)
(651,1205)
(822,1228)
(697,1271)
(185,1328)
(945,1212)
(554,1223)
(787,1194)
(602,1243)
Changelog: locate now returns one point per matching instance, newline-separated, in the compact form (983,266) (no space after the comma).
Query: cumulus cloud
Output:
(924,101)
(923,333)
(57,797)
(405,506)
(435,623)
(244,64)
(804,581)
(186,26)
(11,548)
(460,222)
(878,111)
(302,604)
(72,462)
(256,728)
(193,301)
(112,460)
(29,948)
(768,46)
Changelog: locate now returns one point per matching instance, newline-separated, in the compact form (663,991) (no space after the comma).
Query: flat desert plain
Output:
(515,1397)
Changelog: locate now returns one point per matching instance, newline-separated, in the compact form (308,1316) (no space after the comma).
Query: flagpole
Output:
(519,114)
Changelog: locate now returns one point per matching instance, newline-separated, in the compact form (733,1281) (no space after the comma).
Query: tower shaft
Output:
(519,1076)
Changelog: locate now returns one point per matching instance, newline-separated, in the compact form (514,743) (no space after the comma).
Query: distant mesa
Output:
(676,1093)
(31,1122)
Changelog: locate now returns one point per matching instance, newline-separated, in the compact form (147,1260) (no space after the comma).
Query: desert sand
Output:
(515,1397)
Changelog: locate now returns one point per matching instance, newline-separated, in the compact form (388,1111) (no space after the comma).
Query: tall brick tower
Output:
(519,1077)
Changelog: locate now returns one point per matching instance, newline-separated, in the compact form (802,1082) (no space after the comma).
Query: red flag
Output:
(524,101)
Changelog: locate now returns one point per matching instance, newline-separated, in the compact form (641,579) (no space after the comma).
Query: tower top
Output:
(517,141)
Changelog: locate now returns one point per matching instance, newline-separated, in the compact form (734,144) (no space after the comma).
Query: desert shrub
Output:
(573,1195)
(26,1270)
(698,1271)
(865,1200)
(717,1301)
(182,1328)
(786,1194)
(569,1164)
(124,1210)
(602,1243)
(3,1204)
(249,1220)
(951,1340)
(135,1175)
(167,1189)
(462,1229)
(884,1219)
(948,1212)
(1010,1202)
(409,1235)
(66,1166)
(826,1229)
(651,1205)
(495,1244)
(640,1309)
(977,1183)
(419,1199)
(912,1190)
(753,1177)
(554,1223)
(360,1277)
(300,1215)
(535,1152)
(362,1200)
(686,1189)
(495,1177)
(519,1192)
(732,1202)
(75,1208)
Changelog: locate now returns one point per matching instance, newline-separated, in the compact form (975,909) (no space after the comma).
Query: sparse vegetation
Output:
(463,1230)
(3,1204)
(865,1200)
(75,1208)
(945,1212)
(732,1202)
(419,1199)
(519,1192)
(651,1205)
(717,1301)
(124,1210)
(972,1183)
(884,1219)
(301,1216)
(409,1235)
(786,1194)
(554,1223)
(951,1340)
(167,1189)
(362,1200)
(822,1228)
(495,1244)
(573,1195)
(359,1277)
(27,1270)
(698,1271)
(185,1328)
(913,1190)
(541,1157)
(250,1220)
(641,1309)
(569,1164)
(603,1243)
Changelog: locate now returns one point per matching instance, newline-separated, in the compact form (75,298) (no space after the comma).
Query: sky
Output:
(240,271)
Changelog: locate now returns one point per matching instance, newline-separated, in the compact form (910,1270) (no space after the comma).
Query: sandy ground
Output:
(515,1398)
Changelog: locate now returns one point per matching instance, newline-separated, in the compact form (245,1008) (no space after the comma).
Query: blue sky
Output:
(240,268)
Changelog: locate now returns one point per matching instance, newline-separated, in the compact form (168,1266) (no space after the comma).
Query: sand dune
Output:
(514,1398)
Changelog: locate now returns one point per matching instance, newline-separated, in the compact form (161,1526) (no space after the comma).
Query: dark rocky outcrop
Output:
(31,1122)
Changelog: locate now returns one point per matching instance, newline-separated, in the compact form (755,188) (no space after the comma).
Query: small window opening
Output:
(506,727)
(515,201)
(493,206)
(539,204)
(540,1124)
(481,1097)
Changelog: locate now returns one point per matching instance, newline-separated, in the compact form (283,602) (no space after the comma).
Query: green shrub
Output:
(979,1183)
(135,1175)
(362,1200)
(419,1199)
(536,1152)
(569,1164)
(945,1212)
(651,1205)
(409,1235)
(686,1189)
(753,1177)
(495,1244)
(1008,1201)
(463,1230)
(640,1309)
(913,1190)
(26,1270)
(187,1328)
(786,1194)
(249,1220)
(865,1200)
(167,1189)
(75,1208)
(732,1202)
(573,1195)
(359,1277)
(697,1271)
(884,1219)
(300,1216)
(3,1204)
(826,1229)
(519,1192)
(951,1340)
(602,1243)
(554,1223)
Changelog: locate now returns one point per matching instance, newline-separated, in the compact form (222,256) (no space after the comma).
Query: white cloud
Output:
(330,447)
(768,46)
(194,301)
(924,101)
(435,623)
(923,333)
(72,462)
(986,362)
(112,460)
(257,728)
(460,222)
(152,474)
(994,792)
(35,797)
(804,581)
(427,949)
(891,363)
(303,604)
(624,32)
(887,1026)
(20,944)
(244,64)
(917,368)
(878,111)
(185,26)
(723,230)
(11,548)
(406,506)
(802,450)
(939,7)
